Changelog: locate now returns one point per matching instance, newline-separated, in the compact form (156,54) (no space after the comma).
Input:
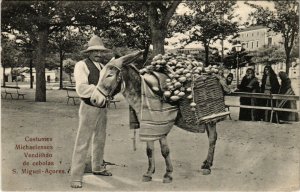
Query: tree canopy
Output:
(36,20)
(210,21)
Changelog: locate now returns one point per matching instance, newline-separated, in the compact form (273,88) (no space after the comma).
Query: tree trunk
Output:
(206,48)
(4,77)
(70,76)
(287,55)
(30,72)
(158,40)
(12,74)
(288,46)
(287,63)
(159,17)
(146,52)
(222,51)
(40,93)
(61,86)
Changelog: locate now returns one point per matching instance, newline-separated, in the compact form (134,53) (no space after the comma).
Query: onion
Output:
(181,94)
(174,98)
(193,104)
(167,93)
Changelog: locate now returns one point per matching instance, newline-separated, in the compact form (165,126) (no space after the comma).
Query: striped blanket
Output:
(157,117)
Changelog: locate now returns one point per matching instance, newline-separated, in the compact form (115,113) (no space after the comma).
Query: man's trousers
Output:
(92,125)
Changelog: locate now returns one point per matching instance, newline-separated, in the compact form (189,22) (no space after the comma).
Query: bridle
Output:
(109,96)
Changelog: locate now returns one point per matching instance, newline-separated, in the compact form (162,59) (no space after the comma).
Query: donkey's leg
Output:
(165,151)
(151,162)
(211,130)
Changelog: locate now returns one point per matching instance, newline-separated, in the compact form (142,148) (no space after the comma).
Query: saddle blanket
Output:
(157,117)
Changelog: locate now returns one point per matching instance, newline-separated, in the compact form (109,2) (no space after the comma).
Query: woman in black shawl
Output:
(249,84)
(286,89)
(229,79)
(269,85)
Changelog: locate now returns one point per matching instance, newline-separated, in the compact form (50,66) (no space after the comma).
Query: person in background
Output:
(269,85)
(248,84)
(92,120)
(286,89)
(229,79)
(220,76)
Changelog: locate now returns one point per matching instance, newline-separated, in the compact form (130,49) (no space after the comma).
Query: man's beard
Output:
(97,59)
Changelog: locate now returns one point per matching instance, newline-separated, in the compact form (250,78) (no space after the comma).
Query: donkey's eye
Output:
(110,75)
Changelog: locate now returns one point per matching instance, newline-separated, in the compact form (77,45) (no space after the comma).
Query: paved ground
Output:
(250,156)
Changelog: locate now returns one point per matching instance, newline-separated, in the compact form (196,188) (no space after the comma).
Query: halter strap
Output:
(119,78)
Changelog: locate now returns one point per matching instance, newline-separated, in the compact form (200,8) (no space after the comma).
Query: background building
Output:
(255,37)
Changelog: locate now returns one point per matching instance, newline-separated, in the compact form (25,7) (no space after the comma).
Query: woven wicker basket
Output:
(208,96)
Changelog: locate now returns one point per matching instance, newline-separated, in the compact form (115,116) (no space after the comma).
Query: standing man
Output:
(92,120)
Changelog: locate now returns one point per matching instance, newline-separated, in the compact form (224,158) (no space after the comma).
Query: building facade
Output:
(256,37)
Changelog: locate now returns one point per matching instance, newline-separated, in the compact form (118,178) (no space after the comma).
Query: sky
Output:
(241,8)
(244,10)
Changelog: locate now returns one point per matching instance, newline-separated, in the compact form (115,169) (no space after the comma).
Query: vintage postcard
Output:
(150,95)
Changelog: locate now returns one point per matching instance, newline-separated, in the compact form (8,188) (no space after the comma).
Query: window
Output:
(247,44)
(252,45)
(256,43)
(269,41)
(252,34)
(247,34)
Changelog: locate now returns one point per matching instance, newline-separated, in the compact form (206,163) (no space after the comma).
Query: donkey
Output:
(119,75)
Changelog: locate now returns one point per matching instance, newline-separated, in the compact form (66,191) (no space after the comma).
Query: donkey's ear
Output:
(126,59)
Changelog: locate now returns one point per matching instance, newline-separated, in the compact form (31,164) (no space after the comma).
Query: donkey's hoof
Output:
(167,179)
(146,178)
(206,171)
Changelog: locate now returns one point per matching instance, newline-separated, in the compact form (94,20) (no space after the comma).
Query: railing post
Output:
(272,111)
(298,93)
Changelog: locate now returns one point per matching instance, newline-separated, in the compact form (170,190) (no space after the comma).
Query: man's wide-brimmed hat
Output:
(96,44)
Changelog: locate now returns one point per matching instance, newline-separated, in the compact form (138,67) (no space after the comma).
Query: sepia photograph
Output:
(185,95)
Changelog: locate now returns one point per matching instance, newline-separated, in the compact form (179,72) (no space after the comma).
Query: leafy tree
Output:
(68,67)
(38,19)
(295,51)
(243,57)
(67,40)
(270,55)
(37,16)
(26,42)
(9,54)
(205,25)
(129,27)
(52,61)
(159,16)
(215,58)
(284,20)
(236,60)
(138,24)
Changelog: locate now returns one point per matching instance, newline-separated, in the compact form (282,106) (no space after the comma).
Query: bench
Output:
(71,94)
(273,109)
(12,90)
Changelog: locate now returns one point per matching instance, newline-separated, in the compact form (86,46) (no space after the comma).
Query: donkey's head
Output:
(110,81)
